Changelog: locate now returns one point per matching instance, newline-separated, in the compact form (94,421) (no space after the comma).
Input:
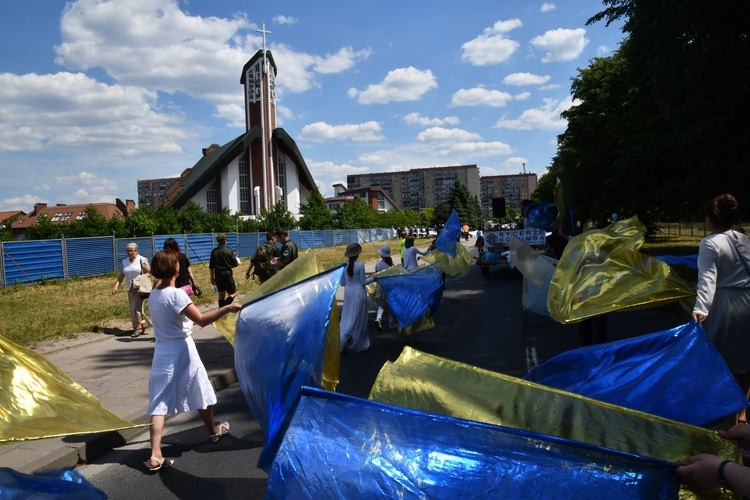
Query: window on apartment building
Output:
(244,186)
(211,201)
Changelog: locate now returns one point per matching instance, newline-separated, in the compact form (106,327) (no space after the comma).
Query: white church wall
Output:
(230,186)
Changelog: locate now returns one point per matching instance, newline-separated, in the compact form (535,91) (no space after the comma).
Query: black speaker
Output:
(498,207)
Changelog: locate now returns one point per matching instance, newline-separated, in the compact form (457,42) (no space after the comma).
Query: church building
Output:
(256,170)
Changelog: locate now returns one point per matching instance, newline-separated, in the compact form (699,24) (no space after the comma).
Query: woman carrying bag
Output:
(133,266)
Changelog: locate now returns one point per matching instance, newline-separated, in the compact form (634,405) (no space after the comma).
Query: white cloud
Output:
(73,111)
(402,84)
(331,170)
(491,47)
(603,50)
(341,61)
(234,114)
(561,44)
(520,79)
(416,118)
(24,203)
(284,20)
(479,96)
(439,134)
(547,7)
(522,96)
(323,132)
(545,118)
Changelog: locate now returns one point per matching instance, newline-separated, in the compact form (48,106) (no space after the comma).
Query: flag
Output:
(537,270)
(446,240)
(38,400)
(280,345)
(677,374)
(414,295)
(339,446)
(453,265)
(603,271)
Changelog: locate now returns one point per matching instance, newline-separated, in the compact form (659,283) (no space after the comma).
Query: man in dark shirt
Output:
(221,263)
(288,249)
(262,261)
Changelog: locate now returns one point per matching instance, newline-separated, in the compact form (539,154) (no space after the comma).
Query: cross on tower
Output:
(263,31)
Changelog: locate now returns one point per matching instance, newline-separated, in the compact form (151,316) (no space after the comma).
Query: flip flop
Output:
(223,431)
(163,463)
(135,334)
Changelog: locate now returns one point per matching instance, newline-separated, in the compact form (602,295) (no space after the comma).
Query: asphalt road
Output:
(480,322)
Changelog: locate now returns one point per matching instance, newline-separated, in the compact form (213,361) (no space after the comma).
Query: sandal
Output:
(142,327)
(135,334)
(223,431)
(162,463)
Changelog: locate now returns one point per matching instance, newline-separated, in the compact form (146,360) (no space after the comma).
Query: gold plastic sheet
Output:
(38,400)
(603,271)
(304,266)
(457,266)
(437,385)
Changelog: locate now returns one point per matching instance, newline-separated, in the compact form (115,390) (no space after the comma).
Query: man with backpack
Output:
(262,260)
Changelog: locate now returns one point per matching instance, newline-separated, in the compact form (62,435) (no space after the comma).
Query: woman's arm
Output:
(145,266)
(120,277)
(194,314)
(707,277)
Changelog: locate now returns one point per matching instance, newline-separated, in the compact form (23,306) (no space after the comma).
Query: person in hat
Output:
(385,262)
(353,325)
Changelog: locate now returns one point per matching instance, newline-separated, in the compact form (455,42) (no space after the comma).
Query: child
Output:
(385,262)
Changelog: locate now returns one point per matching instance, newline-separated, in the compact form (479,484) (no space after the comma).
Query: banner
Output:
(531,236)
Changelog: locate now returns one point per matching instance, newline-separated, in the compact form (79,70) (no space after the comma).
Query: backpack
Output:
(262,261)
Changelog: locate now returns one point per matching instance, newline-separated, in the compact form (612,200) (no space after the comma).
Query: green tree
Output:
(278,217)
(92,223)
(6,229)
(117,226)
(427,217)
(315,213)
(142,222)
(167,221)
(355,214)
(222,222)
(442,212)
(192,218)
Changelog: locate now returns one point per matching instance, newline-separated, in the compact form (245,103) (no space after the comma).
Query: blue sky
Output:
(96,94)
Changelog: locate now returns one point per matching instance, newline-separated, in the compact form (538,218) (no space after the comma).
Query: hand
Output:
(740,433)
(114,290)
(702,470)
(699,317)
(234,307)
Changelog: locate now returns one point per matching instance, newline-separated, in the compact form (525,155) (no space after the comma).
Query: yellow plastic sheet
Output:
(38,400)
(457,266)
(437,385)
(302,267)
(603,271)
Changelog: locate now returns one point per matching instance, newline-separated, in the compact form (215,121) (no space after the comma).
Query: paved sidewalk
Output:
(115,369)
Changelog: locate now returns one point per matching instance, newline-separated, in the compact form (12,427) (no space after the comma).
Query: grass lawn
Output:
(54,309)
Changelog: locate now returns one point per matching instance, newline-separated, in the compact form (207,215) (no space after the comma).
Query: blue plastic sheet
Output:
(414,295)
(542,215)
(677,374)
(53,484)
(690,261)
(280,342)
(446,240)
(343,447)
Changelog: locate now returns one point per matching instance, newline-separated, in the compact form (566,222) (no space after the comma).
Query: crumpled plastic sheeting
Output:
(38,400)
(675,373)
(344,447)
(446,240)
(456,265)
(54,484)
(438,385)
(603,271)
(302,267)
(537,270)
(279,347)
(414,295)
(542,215)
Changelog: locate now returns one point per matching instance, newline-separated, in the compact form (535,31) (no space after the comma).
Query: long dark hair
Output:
(350,267)
(723,210)
(171,244)
(388,260)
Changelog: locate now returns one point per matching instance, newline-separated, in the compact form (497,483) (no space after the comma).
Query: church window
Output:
(244,189)
(281,175)
(211,201)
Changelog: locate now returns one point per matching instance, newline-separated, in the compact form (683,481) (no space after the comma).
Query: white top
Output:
(132,269)
(166,306)
(720,265)
(410,257)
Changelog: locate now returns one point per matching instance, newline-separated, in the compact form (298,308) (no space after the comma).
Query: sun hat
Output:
(384,251)
(352,250)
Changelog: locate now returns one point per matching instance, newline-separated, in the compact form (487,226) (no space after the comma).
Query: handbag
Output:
(142,284)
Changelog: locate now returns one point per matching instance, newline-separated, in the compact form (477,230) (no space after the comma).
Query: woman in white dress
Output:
(353,325)
(384,263)
(178,381)
(723,294)
(411,252)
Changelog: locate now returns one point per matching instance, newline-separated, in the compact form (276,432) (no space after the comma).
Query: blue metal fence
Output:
(27,262)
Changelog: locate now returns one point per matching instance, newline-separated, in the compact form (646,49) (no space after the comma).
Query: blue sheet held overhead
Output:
(446,240)
(677,374)
(414,295)
(279,347)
